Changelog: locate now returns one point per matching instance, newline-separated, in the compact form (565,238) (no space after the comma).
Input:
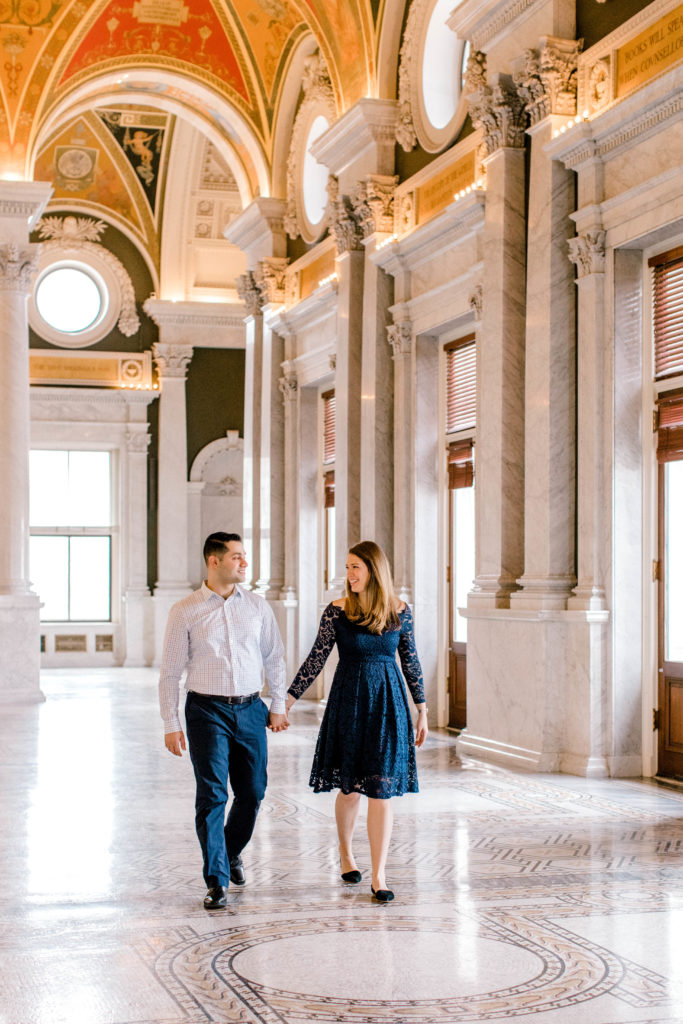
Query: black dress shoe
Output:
(237,875)
(216,898)
(382,895)
(352,877)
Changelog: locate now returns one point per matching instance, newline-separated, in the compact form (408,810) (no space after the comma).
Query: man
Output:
(226,637)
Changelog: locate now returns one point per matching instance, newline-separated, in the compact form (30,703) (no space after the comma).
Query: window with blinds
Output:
(670,426)
(461,384)
(328,427)
(461,464)
(667,312)
(328,487)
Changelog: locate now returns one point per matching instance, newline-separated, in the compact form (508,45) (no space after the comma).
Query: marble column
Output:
(587,251)
(250,294)
(136,594)
(402,343)
(547,83)
(499,517)
(172,583)
(289,390)
(21,204)
(347,387)
(374,205)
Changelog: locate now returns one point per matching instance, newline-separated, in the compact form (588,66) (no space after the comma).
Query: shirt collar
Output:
(208,594)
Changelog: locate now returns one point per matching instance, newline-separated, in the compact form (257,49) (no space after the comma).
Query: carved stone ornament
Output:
(373,204)
(250,293)
(599,84)
(288,386)
(404,213)
(547,80)
(407,68)
(400,337)
(137,440)
(18,267)
(346,223)
(70,229)
(477,301)
(92,252)
(270,278)
(498,110)
(587,251)
(172,360)
(318,98)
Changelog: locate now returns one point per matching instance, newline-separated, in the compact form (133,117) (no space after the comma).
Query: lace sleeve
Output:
(324,642)
(410,662)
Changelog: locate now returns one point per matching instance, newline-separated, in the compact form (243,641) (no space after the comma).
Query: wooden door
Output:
(670,760)
(460,573)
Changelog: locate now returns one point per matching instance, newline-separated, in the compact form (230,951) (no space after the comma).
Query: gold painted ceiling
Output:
(238,50)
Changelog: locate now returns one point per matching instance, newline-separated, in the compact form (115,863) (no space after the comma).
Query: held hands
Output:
(277,723)
(421,728)
(175,742)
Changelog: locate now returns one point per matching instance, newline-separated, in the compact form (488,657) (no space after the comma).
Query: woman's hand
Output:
(291,701)
(421,727)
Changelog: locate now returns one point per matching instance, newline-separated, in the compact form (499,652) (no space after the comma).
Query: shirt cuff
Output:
(172,725)
(278,706)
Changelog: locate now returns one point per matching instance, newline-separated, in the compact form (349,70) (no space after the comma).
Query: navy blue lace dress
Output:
(365,744)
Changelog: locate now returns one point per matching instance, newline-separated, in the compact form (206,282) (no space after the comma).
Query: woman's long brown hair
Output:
(382,602)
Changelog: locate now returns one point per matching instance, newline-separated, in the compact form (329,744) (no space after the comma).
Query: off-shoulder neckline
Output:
(340,607)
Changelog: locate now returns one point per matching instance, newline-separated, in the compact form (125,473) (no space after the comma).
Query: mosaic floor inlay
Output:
(533,899)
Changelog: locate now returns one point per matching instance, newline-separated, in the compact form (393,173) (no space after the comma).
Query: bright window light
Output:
(315,175)
(70,488)
(69,299)
(441,71)
(674,561)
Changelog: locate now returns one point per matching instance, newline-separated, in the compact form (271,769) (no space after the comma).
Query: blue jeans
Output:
(226,741)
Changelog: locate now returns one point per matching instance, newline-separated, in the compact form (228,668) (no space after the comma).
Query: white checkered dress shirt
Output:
(225,645)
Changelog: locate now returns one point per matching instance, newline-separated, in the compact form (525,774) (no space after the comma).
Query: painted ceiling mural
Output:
(112,157)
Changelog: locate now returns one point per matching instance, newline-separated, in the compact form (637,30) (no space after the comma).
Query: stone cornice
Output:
(623,125)
(103,396)
(259,227)
(24,200)
(368,123)
(321,305)
(165,313)
(481,21)
(459,220)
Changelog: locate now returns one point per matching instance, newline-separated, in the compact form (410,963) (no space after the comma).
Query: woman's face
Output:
(357,573)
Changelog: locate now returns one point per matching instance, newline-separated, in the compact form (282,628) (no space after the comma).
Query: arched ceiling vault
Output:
(224,60)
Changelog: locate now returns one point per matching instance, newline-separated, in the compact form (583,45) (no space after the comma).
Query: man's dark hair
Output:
(215,543)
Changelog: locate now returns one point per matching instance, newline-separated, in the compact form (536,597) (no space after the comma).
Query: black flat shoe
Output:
(237,875)
(382,895)
(216,898)
(352,877)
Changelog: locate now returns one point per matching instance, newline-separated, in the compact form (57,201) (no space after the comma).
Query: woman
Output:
(365,744)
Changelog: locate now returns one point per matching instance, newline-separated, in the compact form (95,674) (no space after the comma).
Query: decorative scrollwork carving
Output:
(171,360)
(18,267)
(346,222)
(318,95)
(373,204)
(400,337)
(498,109)
(405,129)
(250,293)
(547,80)
(587,252)
(270,277)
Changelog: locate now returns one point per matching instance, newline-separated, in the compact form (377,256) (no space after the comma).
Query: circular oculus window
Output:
(440,110)
(74,303)
(69,299)
(314,181)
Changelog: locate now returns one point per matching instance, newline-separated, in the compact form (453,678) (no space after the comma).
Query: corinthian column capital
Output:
(172,360)
(18,267)
(587,252)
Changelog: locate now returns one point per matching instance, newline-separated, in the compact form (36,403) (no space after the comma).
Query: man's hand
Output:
(175,742)
(277,722)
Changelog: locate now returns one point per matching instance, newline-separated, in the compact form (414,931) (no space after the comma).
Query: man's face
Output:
(232,566)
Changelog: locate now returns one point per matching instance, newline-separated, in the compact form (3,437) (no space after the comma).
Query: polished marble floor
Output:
(539,899)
